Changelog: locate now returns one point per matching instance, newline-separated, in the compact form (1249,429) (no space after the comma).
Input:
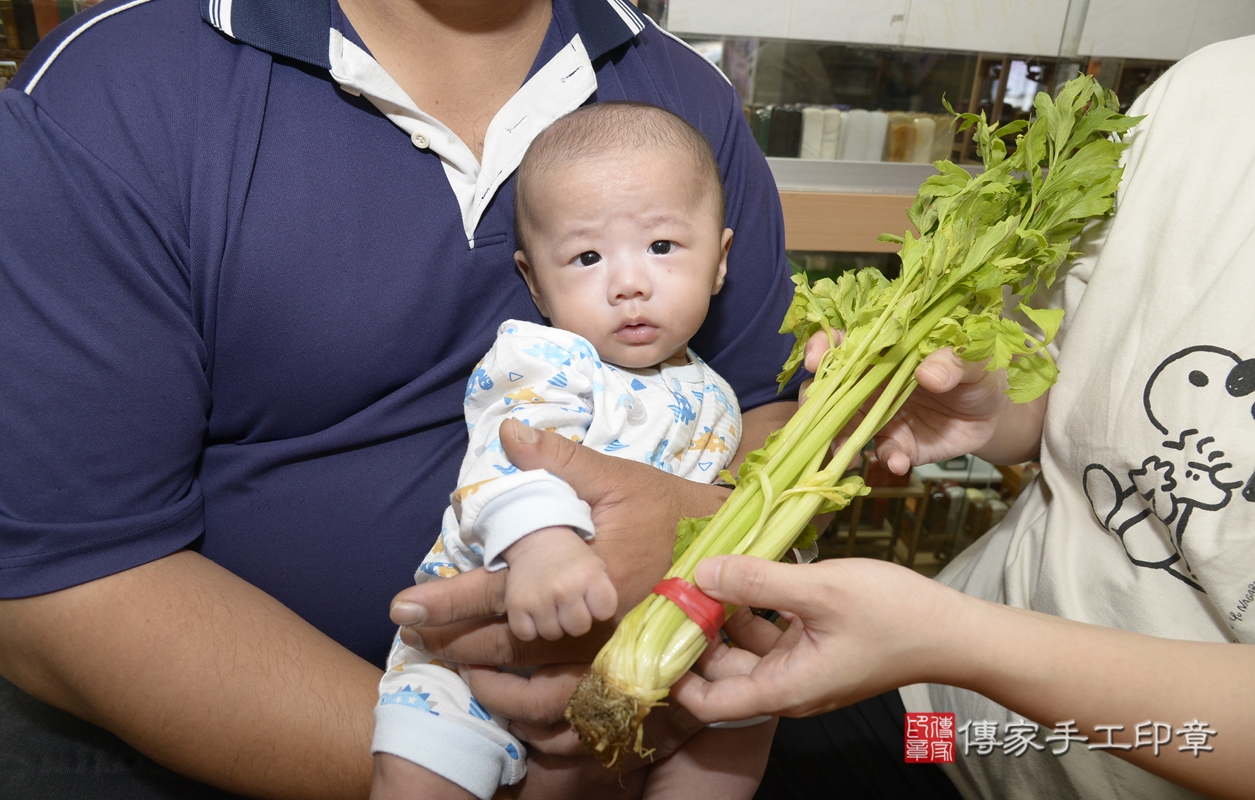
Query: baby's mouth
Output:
(637,332)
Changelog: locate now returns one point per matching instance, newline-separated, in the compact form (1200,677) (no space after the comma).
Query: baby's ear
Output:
(725,244)
(529,276)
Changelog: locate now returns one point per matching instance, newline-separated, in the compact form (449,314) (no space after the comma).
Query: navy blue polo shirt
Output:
(243,284)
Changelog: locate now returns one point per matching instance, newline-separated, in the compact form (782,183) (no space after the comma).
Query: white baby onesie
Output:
(681,419)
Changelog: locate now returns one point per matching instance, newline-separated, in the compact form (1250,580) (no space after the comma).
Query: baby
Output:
(620,221)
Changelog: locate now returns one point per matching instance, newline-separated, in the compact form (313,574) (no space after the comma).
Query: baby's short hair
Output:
(602,128)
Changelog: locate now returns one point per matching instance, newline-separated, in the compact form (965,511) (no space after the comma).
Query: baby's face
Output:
(626,252)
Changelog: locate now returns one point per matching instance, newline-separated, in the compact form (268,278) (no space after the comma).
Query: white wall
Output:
(1029,27)
(875,22)
(1162,29)
(1154,29)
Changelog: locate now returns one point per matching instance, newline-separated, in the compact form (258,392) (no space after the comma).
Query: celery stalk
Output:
(981,238)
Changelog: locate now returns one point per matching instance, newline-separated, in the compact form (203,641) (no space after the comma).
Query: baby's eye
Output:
(661,248)
(588,259)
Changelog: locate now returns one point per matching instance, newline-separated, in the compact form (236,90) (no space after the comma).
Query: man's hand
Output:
(635,509)
(535,706)
(556,585)
(399,779)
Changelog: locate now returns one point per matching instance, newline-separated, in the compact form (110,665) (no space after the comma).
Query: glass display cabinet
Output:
(846,97)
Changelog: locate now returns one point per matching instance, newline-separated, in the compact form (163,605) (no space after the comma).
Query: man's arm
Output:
(759,423)
(205,674)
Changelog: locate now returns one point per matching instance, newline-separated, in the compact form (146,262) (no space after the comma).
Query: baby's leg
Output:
(717,763)
(427,715)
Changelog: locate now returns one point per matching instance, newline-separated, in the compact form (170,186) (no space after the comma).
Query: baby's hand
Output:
(556,585)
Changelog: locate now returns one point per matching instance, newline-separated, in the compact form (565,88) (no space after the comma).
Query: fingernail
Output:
(935,372)
(707,573)
(408,614)
(526,434)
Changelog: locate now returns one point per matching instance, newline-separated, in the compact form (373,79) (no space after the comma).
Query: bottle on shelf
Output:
(812,133)
(856,135)
(831,134)
(925,129)
(900,138)
(786,131)
(876,136)
(762,126)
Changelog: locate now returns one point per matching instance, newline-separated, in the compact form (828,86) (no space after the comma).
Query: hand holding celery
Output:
(860,627)
(857,628)
(982,239)
(958,408)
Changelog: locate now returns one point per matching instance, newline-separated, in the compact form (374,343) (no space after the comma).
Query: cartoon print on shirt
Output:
(525,395)
(550,353)
(479,380)
(634,408)
(709,440)
(1200,399)
(658,457)
(720,397)
(683,409)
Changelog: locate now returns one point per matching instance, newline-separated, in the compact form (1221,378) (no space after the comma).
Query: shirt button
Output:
(420,140)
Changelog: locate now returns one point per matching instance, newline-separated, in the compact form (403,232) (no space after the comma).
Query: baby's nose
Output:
(630,281)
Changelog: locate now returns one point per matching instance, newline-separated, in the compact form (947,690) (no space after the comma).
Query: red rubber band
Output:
(695,603)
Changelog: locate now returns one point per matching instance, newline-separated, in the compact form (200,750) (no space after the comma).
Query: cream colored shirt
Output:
(1144,515)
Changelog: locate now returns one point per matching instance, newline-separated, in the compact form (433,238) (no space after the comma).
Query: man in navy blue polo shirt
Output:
(250,253)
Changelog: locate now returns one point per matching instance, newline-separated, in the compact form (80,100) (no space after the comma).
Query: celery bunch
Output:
(983,240)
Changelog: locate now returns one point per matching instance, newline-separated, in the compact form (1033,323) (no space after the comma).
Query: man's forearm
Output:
(202,672)
(759,423)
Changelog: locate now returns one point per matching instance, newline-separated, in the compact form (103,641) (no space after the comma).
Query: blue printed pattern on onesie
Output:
(408,697)
(679,419)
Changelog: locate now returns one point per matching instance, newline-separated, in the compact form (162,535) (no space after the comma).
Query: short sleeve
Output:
(103,394)
(745,317)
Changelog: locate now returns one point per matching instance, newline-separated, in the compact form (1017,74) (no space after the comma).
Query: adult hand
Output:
(399,779)
(856,628)
(962,408)
(558,767)
(859,628)
(635,509)
(535,705)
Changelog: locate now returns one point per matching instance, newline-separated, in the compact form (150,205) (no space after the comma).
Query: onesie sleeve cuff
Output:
(516,513)
(452,751)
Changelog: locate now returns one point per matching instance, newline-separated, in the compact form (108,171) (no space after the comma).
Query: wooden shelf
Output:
(840,222)
(917,490)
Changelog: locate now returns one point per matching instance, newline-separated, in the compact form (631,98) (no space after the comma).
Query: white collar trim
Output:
(557,88)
